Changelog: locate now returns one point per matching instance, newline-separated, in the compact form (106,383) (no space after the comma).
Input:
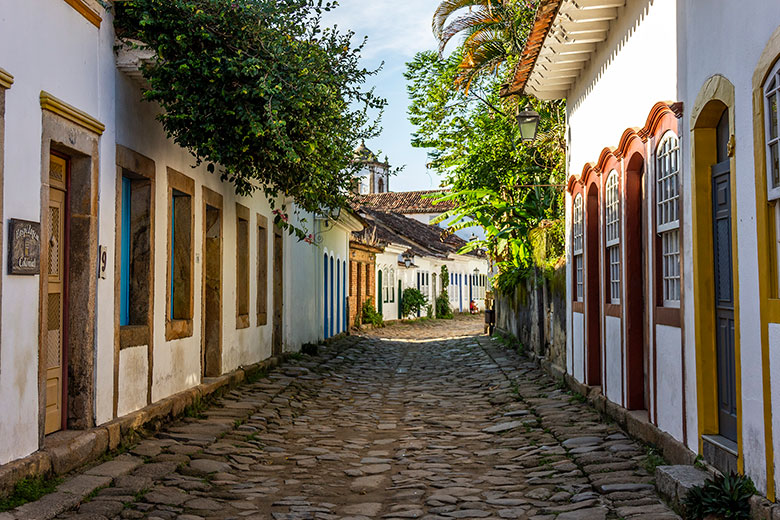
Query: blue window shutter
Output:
(325,297)
(124,269)
(173,235)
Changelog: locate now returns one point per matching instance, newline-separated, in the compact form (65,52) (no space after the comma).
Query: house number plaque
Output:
(24,242)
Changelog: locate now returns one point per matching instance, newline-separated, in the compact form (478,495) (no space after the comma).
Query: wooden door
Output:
(724,300)
(56,297)
(277,337)
(592,289)
(212,308)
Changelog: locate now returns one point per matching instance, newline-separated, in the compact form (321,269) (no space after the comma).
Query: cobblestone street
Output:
(432,420)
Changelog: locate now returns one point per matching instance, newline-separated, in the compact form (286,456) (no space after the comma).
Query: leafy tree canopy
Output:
(511,189)
(259,91)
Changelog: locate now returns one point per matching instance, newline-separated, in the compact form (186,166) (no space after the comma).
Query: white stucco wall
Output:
(613,362)
(575,361)
(630,72)
(133,391)
(669,380)
(707,52)
(61,53)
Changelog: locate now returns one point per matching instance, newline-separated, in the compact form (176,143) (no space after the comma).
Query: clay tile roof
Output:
(421,239)
(406,202)
(545,15)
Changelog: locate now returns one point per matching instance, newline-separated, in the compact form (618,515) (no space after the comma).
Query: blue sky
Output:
(396,30)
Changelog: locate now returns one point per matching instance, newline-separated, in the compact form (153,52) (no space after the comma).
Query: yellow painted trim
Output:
(6,80)
(71,113)
(716,94)
(84,9)
(767,256)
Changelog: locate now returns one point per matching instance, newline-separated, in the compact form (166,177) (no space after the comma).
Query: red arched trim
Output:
(662,117)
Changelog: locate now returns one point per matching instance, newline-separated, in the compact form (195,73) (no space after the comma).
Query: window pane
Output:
(774,163)
(773,101)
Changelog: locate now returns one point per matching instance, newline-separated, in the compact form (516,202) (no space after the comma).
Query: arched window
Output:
(577,248)
(381,186)
(667,181)
(391,283)
(772,99)
(612,216)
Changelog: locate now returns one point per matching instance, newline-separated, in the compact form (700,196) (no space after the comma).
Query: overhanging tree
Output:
(260,92)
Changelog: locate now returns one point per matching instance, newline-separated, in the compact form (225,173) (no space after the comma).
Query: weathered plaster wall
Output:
(612,365)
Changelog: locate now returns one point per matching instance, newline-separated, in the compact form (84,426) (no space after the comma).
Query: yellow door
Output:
(55,298)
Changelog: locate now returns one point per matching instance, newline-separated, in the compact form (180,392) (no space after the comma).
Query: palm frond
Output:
(446,8)
(469,22)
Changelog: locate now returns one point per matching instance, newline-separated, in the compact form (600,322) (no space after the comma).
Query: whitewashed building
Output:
(672,213)
(154,276)
(413,256)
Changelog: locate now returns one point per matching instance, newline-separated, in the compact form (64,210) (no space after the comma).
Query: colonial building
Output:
(413,255)
(672,214)
(419,205)
(131,274)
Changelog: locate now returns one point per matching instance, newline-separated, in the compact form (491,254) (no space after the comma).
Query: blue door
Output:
(325,297)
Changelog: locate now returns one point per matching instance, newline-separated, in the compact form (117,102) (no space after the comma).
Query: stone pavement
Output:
(430,420)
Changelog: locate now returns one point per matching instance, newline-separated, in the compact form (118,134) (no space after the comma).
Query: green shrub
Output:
(412,302)
(429,311)
(726,497)
(370,315)
(443,310)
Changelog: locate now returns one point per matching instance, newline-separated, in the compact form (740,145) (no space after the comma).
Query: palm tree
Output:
(493,30)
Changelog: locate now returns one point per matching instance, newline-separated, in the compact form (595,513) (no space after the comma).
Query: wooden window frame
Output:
(242,279)
(177,328)
(262,270)
(139,169)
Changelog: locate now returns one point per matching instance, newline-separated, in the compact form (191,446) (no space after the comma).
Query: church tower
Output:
(374,175)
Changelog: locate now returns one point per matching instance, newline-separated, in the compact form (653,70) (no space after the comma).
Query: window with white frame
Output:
(385,285)
(577,247)
(772,116)
(391,283)
(667,175)
(612,215)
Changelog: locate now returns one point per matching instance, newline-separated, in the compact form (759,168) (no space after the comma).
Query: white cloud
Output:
(394,28)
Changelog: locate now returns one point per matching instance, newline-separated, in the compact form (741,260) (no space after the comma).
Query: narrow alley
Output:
(429,420)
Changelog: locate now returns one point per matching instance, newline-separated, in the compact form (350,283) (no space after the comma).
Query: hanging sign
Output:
(24,247)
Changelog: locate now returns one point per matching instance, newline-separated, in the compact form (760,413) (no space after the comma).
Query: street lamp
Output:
(407,259)
(528,121)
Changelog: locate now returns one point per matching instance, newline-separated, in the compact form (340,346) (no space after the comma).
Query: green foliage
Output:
(443,309)
(493,31)
(653,459)
(412,302)
(259,91)
(370,315)
(27,490)
(725,496)
(512,189)
(429,311)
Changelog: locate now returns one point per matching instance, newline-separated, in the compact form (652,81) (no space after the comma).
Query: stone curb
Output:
(72,492)
(85,446)
(672,450)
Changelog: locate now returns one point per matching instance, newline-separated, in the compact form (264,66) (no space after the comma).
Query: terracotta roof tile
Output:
(545,15)
(421,239)
(406,202)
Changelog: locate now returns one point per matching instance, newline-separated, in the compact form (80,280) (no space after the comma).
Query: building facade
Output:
(413,255)
(131,274)
(672,240)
